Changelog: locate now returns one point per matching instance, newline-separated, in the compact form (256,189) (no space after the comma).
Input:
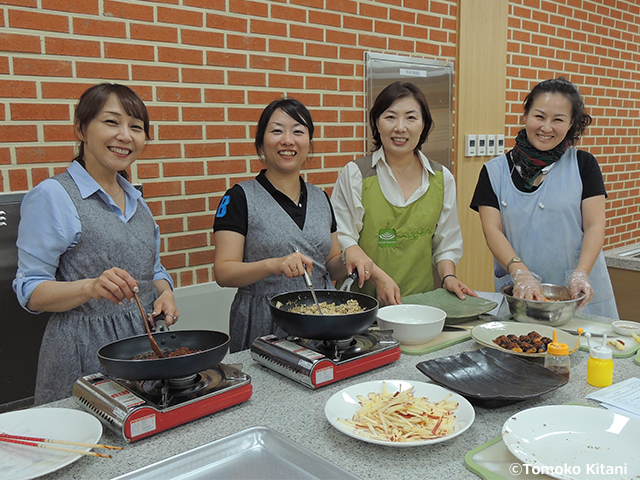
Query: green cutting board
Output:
(457,310)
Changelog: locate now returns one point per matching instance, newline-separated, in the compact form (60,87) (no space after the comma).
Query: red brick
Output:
(10,42)
(178,94)
(225,167)
(204,186)
(373,41)
(170,225)
(254,79)
(18,180)
(204,257)
(402,16)
(324,18)
(204,150)
(389,28)
(180,132)
(17,89)
(321,50)
(180,16)
(21,3)
(88,7)
(321,83)
(18,133)
(286,81)
(155,73)
(203,38)
(202,76)
(306,66)
(343,6)
(244,42)
(341,37)
(267,27)
(102,71)
(223,96)
(59,133)
(306,33)
(75,47)
(162,189)
(39,111)
(242,114)
(176,207)
(38,175)
(246,7)
(208,4)
(309,3)
(164,150)
(286,47)
(174,261)
(99,28)
(45,22)
(225,131)
(182,169)
(227,22)
(128,11)
(128,51)
(154,33)
(289,14)
(373,11)
(64,90)
(267,62)
(242,149)
(180,55)
(43,154)
(147,170)
(202,114)
(237,60)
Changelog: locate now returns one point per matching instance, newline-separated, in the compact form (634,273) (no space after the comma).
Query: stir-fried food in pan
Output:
(352,306)
(174,353)
(532,342)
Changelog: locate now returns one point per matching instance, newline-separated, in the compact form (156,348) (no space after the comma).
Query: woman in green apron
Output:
(396,209)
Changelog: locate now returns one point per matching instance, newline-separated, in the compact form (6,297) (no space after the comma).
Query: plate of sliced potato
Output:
(399,413)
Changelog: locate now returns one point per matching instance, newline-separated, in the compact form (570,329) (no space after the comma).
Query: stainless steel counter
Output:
(298,413)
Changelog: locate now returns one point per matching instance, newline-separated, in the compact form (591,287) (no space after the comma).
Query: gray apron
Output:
(72,339)
(272,233)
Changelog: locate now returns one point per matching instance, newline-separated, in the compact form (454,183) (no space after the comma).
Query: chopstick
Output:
(43,443)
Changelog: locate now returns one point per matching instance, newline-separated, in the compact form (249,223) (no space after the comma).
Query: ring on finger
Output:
(366,272)
(169,315)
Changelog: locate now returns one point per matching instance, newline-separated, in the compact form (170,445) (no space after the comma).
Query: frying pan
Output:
(324,327)
(116,357)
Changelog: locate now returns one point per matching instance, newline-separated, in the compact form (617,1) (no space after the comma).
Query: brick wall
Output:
(206,68)
(595,45)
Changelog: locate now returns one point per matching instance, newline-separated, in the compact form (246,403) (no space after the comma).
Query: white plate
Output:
(575,442)
(625,327)
(345,404)
(486,333)
(19,462)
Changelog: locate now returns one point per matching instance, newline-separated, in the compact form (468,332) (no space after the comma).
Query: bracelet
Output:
(445,277)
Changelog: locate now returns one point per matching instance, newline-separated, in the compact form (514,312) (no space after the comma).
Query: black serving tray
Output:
(490,378)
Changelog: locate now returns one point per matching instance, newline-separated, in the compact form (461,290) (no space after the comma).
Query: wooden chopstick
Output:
(52,447)
(63,442)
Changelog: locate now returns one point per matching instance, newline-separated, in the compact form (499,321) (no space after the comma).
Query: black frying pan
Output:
(323,327)
(116,357)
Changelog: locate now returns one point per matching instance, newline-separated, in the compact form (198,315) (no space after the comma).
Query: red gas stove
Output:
(315,363)
(138,409)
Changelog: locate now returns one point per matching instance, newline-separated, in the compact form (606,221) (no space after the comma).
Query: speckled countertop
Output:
(627,258)
(298,413)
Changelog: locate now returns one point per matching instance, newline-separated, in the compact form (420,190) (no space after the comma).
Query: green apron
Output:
(399,239)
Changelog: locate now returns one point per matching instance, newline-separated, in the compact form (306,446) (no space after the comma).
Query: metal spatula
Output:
(307,280)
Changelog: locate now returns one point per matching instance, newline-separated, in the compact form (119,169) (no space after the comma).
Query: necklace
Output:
(404,168)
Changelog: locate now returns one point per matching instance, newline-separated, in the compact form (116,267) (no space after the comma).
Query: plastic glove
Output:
(579,284)
(526,285)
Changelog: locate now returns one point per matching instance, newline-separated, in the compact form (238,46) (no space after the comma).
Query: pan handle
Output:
(161,323)
(346,285)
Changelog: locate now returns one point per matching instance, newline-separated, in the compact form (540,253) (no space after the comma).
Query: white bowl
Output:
(412,324)
(625,328)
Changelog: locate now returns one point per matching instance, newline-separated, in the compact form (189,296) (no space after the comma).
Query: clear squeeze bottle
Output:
(600,364)
(557,357)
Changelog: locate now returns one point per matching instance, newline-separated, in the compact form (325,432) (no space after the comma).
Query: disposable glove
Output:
(526,285)
(579,284)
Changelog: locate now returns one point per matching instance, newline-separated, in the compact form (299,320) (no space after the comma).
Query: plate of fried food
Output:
(524,339)
(399,413)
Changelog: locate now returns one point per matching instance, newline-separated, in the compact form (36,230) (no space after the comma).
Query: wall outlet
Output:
(491,145)
(499,144)
(470,145)
(482,145)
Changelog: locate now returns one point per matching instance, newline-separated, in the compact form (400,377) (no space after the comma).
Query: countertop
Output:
(298,413)
(626,258)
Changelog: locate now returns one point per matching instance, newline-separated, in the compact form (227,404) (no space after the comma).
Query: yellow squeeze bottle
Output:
(600,364)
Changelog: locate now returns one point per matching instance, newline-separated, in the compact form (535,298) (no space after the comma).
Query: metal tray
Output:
(257,452)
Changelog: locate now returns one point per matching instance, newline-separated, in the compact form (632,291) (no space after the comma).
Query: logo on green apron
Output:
(387,237)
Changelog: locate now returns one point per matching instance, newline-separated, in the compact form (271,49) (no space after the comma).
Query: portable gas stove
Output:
(138,409)
(315,363)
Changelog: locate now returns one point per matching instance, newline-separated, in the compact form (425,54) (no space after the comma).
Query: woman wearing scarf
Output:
(542,205)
